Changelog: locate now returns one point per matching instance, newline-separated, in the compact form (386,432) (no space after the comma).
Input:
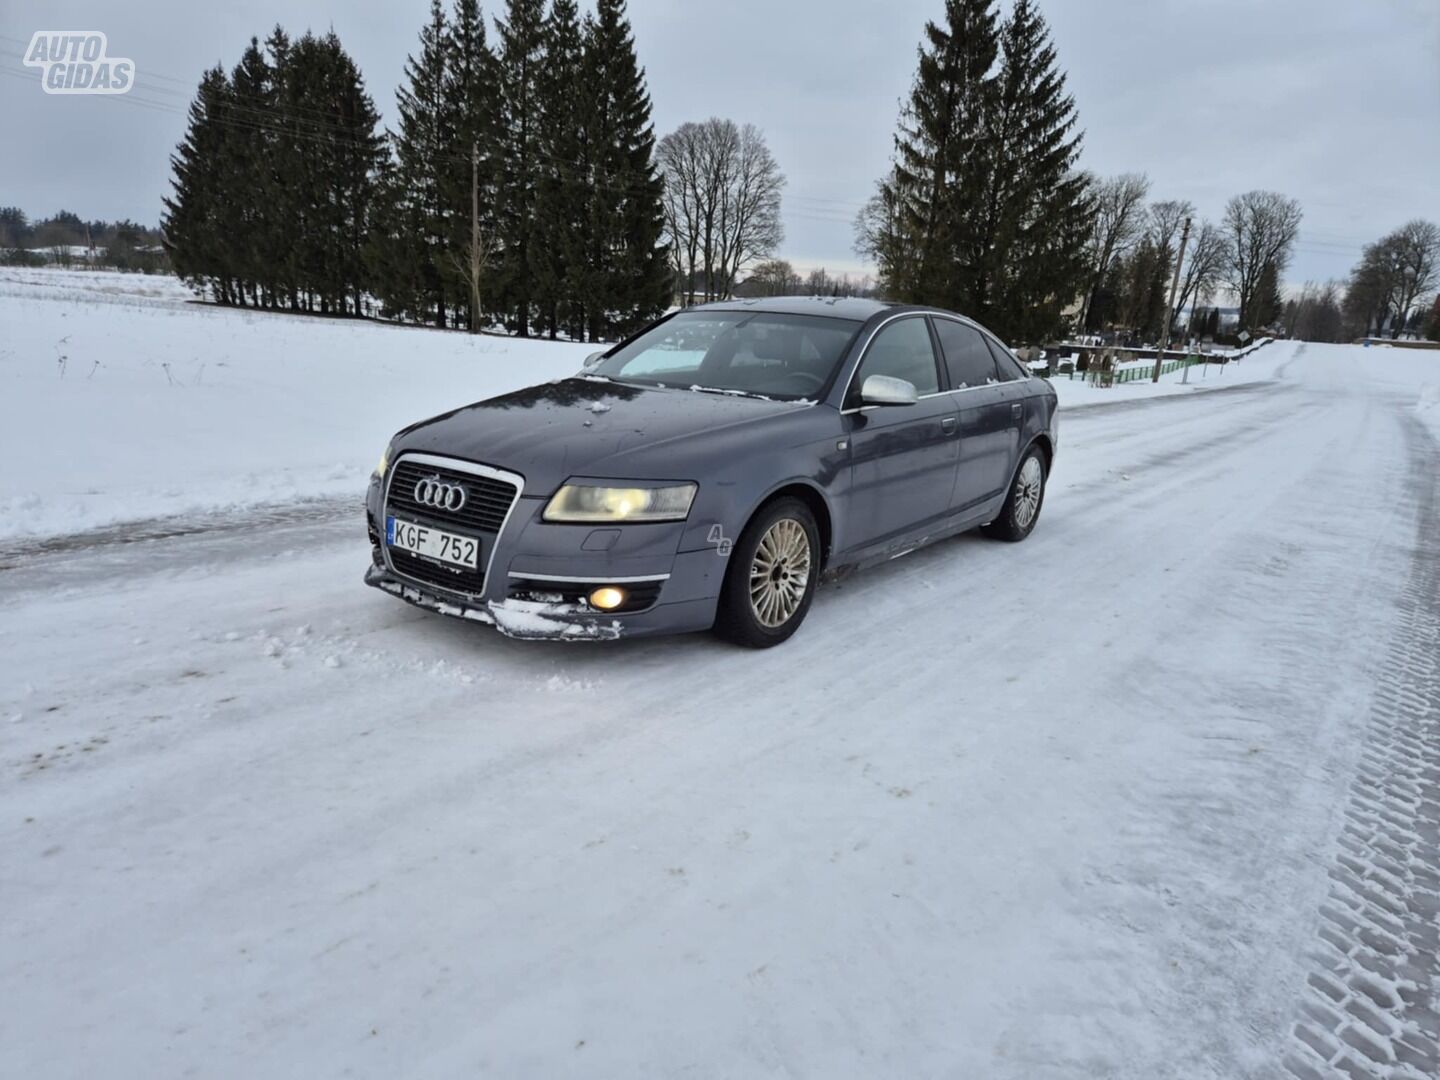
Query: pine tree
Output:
(246,212)
(288,148)
(990,214)
(1105,305)
(938,183)
(1038,212)
(468,178)
(1267,304)
(629,269)
(333,183)
(190,223)
(394,258)
(1141,270)
(423,148)
(358,151)
(566,103)
(520,58)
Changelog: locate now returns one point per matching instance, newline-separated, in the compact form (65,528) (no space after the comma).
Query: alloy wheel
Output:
(780,573)
(1027,498)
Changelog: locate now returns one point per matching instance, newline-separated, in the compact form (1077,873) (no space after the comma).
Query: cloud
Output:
(1335,102)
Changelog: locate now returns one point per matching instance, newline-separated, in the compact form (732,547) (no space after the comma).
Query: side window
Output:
(1005,363)
(901,350)
(966,357)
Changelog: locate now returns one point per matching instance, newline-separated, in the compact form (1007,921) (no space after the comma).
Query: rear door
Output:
(1017,391)
(988,430)
(902,457)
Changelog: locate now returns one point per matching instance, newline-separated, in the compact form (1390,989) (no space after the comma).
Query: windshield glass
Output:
(788,357)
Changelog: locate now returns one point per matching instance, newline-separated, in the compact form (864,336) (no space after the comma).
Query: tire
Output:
(1023,503)
(758,613)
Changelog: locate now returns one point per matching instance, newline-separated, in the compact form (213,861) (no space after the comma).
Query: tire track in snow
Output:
(231,520)
(1371,1006)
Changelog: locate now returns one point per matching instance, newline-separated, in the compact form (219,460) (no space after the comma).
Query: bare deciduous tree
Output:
(1260,228)
(1315,315)
(878,234)
(1119,224)
(722,203)
(1166,221)
(1395,274)
(1204,267)
(1417,267)
(775,277)
(679,155)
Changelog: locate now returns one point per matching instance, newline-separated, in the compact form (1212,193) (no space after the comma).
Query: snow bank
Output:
(121,400)
(1257,366)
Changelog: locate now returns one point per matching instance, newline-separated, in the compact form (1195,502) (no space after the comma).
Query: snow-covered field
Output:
(1154,794)
(126,401)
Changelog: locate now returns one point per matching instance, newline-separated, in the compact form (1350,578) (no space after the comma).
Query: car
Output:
(706,472)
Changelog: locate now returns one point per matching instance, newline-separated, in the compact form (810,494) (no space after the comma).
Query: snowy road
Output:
(1075,808)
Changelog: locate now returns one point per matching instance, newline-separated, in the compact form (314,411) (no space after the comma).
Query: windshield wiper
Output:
(697,389)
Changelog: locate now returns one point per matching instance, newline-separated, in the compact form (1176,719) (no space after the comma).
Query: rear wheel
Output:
(1022,505)
(771,577)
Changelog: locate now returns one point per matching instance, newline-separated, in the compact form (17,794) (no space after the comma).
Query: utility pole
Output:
(475,237)
(1170,307)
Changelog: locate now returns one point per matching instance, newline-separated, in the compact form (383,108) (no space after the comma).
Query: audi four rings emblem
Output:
(432,491)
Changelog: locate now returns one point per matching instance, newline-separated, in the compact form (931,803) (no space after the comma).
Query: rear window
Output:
(966,357)
(1005,362)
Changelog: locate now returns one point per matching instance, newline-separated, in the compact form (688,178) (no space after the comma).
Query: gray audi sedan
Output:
(706,473)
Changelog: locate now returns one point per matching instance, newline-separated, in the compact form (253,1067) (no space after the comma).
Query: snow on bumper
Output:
(513,618)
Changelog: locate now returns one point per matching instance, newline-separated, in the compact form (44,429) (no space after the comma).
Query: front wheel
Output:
(1022,505)
(771,577)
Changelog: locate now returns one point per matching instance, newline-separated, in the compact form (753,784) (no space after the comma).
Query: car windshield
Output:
(787,357)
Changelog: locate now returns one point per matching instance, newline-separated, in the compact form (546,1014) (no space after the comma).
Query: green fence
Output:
(1139,372)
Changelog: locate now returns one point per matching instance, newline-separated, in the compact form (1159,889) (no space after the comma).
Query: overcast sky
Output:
(1335,102)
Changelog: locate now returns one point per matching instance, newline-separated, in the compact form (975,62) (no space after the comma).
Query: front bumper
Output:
(532,620)
(528,551)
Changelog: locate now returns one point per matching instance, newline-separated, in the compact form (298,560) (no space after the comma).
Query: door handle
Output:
(949,425)
(1017,410)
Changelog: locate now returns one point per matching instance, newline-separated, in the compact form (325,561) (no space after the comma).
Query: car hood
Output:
(590,427)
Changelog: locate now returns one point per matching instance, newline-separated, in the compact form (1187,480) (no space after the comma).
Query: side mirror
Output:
(884,390)
(591,360)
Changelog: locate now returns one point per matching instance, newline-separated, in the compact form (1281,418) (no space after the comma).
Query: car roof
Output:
(834,307)
(858,308)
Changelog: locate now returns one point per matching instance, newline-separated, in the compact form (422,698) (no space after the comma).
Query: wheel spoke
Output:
(780,572)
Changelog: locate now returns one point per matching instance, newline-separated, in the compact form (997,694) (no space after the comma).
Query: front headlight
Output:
(384,462)
(594,504)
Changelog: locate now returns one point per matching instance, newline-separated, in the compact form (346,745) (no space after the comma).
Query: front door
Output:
(902,457)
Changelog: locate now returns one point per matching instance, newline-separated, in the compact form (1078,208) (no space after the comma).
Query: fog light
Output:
(607,598)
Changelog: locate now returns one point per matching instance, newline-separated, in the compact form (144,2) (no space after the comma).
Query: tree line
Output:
(518,189)
(1392,289)
(66,239)
(1131,260)
(777,277)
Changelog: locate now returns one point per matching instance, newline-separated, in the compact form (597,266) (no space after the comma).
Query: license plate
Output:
(433,543)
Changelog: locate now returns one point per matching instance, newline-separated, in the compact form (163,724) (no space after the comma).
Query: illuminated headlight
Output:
(384,462)
(592,504)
